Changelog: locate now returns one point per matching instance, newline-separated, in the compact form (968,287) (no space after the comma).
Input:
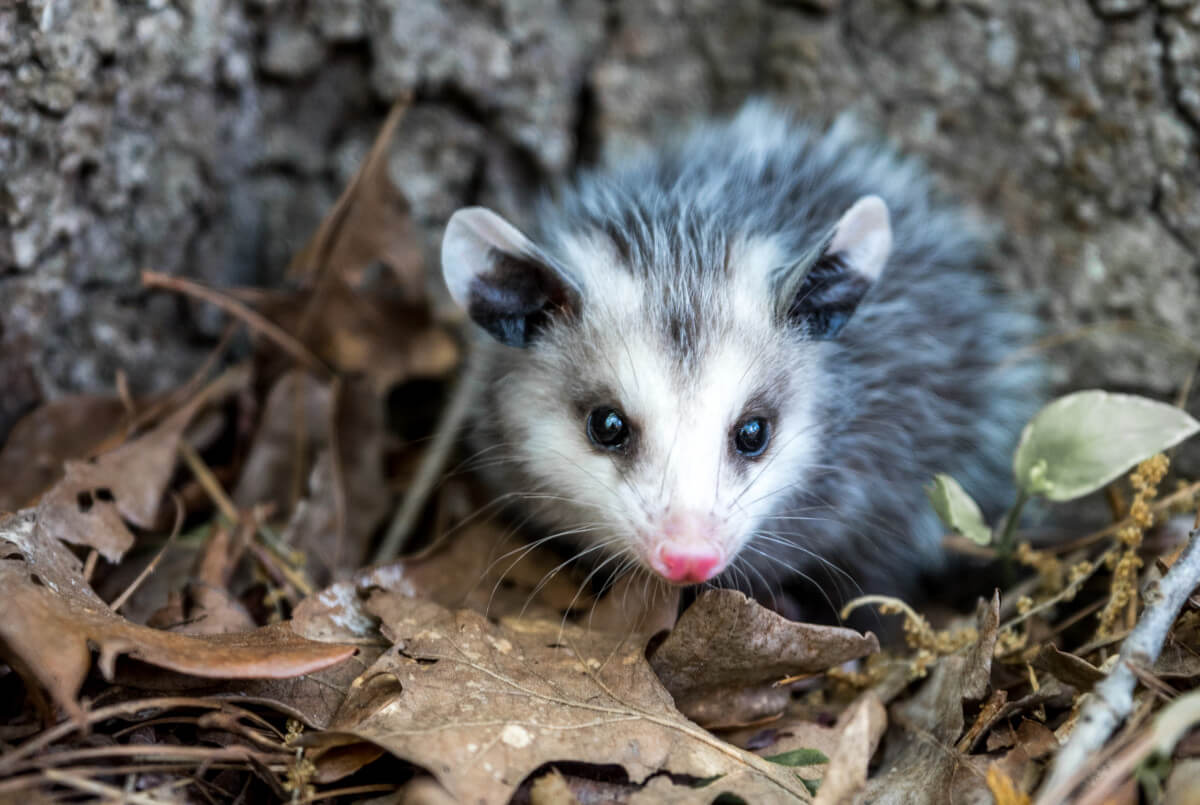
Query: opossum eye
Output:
(606,427)
(750,437)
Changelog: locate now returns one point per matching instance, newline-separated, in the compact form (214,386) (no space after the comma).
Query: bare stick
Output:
(430,469)
(1112,700)
(148,569)
(253,319)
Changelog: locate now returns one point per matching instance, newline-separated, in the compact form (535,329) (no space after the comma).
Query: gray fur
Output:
(916,383)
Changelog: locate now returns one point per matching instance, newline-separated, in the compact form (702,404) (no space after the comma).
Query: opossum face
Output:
(656,406)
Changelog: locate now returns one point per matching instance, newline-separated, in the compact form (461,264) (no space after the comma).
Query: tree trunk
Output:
(208,137)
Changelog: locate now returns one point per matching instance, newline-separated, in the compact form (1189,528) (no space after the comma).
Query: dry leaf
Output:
(481,706)
(1065,667)
(370,221)
(37,446)
(368,332)
(333,527)
(91,503)
(922,767)
(1182,783)
(551,789)
(45,594)
(727,642)
(294,418)
(1003,788)
(858,729)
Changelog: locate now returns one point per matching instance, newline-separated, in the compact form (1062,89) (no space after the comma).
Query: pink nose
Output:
(686,564)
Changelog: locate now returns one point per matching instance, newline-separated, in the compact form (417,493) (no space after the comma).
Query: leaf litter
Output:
(249,650)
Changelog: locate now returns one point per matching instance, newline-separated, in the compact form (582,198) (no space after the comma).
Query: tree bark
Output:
(208,137)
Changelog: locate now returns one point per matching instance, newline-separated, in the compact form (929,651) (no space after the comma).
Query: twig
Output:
(278,568)
(433,463)
(208,481)
(337,473)
(125,394)
(11,759)
(253,319)
(193,384)
(373,788)
(148,569)
(1177,497)
(1065,594)
(89,565)
(1168,728)
(1111,700)
(101,789)
(885,600)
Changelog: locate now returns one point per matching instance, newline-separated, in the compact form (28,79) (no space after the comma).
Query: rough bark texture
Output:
(208,137)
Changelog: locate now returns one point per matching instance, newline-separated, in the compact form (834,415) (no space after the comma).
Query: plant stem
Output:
(1004,545)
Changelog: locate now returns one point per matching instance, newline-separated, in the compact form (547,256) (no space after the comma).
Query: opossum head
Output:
(660,384)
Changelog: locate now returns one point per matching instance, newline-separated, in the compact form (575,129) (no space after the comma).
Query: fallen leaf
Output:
(294,418)
(858,731)
(1003,788)
(95,498)
(348,495)
(1021,764)
(1182,783)
(922,767)
(1050,692)
(727,642)
(33,455)
(369,221)
(45,594)
(373,333)
(481,706)
(1065,667)
(633,605)
(551,789)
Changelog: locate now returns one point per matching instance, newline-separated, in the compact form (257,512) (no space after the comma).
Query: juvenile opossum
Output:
(741,356)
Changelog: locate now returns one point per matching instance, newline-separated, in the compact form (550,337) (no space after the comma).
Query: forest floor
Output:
(199,602)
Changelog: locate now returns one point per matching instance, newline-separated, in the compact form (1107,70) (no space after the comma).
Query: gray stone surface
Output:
(207,138)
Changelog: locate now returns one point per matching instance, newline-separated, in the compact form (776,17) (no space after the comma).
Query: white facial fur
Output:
(682,467)
(681,486)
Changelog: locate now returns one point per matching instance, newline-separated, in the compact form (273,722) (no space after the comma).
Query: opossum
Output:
(737,357)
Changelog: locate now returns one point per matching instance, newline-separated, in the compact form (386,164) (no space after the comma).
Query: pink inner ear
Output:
(863,236)
(471,234)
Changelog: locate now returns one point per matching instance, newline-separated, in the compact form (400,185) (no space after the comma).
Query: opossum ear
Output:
(822,301)
(503,281)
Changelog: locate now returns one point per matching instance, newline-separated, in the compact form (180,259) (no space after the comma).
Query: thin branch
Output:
(253,319)
(1112,700)
(208,481)
(1179,497)
(432,465)
(116,605)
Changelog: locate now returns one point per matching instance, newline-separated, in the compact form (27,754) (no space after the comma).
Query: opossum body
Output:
(739,357)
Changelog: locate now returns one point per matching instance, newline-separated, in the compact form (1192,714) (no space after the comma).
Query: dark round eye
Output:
(606,428)
(751,436)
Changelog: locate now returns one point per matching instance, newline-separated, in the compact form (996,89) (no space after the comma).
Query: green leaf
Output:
(957,510)
(813,785)
(799,757)
(1080,442)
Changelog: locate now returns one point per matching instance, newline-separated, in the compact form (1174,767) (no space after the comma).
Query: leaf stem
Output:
(1004,545)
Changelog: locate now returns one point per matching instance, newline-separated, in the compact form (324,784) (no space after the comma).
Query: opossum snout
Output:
(686,550)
